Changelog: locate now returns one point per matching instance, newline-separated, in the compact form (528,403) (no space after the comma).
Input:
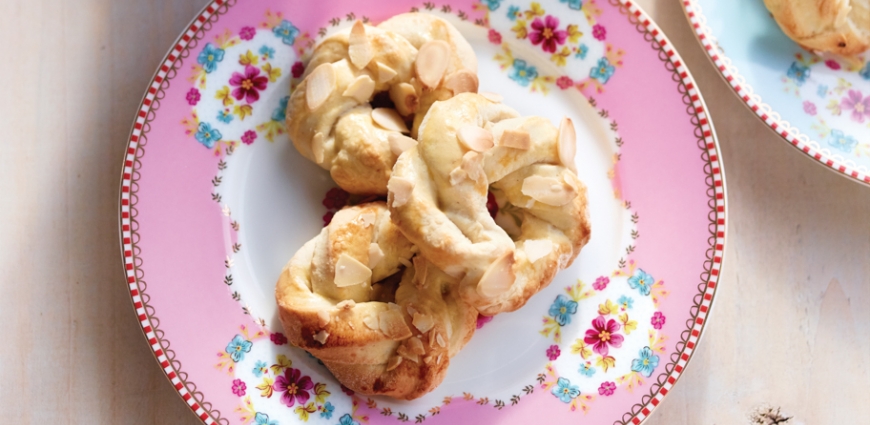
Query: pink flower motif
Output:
(248,86)
(553,352)
(603,334)
(249,137)
(810,108)
(193,96)
(859,105)
(239,387)
(247,33)
(607,388)
(294,387)
(547,34)
(601,283)
(599,32)
(482,320)
(494,37)
(832,64)
(297,70)
(278,338)
(564,82)
(658,320)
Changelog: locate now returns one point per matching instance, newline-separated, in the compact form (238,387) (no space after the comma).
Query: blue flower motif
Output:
(646,363)
(513,13)
(582,50)
(225,116)
(865,72)
(626,302)
(564,390)
(207,135)
(328,408)
(491,4)
(562,309)
(239,345)
(586,369)
(209,57)
(573,4)
(260,368)
(286,32)
(642,281)
(602,71)
(347,420)
(267,51)
(798,73)
(842,142)
(280,113)
(523,73)
(822,91)
(263,419)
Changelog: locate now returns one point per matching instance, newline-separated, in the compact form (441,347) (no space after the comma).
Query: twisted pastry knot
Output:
(438,192)
(379,329)
(837,26)
(363,88)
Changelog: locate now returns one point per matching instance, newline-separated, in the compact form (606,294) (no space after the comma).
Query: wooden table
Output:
(788,330)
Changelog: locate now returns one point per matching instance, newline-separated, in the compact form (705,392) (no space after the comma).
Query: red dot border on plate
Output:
(745,92)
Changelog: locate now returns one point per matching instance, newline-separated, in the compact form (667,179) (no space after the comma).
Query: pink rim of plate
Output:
(696,108)
(745,92)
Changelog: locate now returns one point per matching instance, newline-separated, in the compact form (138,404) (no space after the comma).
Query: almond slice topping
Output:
(432,62)
(404,262)
(317,147)
(401,189)
(462,81)
(440,340)
(405,352)
(360,89)
(323,318)
(349,271)
(498,278)
(376,255)
(321,84)
(517,139)
(346,305)
(400,143)
(567,143)
(389,119)
(492,97)
(538,248)
(475,138)
(423,322)
(393,325)
(385,73)
(420,271)
(416,346)
(371,322)
(457,176)
(548,190)
(359,48)
(321,337)
(471,164)
(393,363)
(404,96)
(367,218)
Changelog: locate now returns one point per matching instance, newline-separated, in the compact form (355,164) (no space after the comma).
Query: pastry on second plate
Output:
(837,26)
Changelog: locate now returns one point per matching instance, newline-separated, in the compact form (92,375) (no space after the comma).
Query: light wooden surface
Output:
(790,328)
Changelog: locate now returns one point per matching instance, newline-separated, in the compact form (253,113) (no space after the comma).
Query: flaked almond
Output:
(492,97)
(392,324)
(405,98)
(457,176)
(317,147)
(440,356)
(371,322)
(405,351)
(404,262)
(321,84)
(416,346)
(475,138)
(360,89)
(346,305)
(548,190)
(462,81)
(472,165)
(349,271)
(440,340)
(432,59)
(400,143)
(423,322)
(359,49)
(401,189)
(420,271)
(385,73)
(376,255)
(323,318)
(367,218)
(394,307)
(517,139)
(411,310)
(567,143)
(498,278)
(393,363)
(389,119)
(537,248)
(321,337)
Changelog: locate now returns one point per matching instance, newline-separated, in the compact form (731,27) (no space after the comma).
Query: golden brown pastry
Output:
(837,26)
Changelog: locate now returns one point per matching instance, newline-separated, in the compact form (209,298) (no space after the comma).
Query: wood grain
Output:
(788,329)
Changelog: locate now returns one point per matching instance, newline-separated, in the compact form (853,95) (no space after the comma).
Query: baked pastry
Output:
(379,327)
(837,26)
(438,195)
(362,88)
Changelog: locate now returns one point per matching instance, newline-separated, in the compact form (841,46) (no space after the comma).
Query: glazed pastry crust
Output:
(836,26)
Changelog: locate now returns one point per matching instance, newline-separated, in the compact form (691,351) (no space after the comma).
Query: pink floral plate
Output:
(215,199)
